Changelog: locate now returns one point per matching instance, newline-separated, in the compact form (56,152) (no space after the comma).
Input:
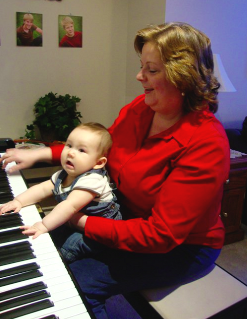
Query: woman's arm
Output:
(25,158)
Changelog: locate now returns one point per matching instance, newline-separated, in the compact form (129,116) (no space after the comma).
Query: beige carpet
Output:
(233,258)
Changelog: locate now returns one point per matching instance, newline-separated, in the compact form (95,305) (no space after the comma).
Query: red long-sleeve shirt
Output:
(171,184)
(75,41)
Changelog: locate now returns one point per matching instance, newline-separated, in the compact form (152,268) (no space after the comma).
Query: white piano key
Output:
(60,288)
(47,276)
(64,309)
(41,243)
(81,316)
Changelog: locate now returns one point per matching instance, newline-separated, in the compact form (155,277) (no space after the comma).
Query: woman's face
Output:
(162,96)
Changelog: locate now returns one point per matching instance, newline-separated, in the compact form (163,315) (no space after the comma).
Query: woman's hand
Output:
(25,158)
(35,230)
(13,205)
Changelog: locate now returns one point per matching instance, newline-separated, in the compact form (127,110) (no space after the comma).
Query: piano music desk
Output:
(39,173)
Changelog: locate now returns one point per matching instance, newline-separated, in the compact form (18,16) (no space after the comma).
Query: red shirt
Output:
(75,41)
(171,184)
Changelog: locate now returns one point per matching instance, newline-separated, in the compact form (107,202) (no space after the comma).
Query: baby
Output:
(82,186)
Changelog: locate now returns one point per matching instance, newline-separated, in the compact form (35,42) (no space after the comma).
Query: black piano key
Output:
(16,257)
(50,317)
(11,235)
(16,252)
(25,310)
(22,290)
(16,247)
(20,301)
(20,277)
(18,269)
(6,194)
(6,198)
(2,176)
(4,182)
(10,216)
(10,224)
(4,188)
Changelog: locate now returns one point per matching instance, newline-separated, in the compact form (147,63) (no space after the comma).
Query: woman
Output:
(169,159)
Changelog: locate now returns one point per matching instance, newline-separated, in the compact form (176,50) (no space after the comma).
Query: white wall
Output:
(103,72)
(141,14)
(225,22)
(96,73)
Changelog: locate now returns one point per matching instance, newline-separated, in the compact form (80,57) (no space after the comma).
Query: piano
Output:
(34,280)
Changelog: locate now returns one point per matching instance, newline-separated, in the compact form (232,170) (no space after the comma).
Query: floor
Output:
(233,258)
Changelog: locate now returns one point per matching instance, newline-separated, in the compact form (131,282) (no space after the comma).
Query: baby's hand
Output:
(14,205)
(35,230)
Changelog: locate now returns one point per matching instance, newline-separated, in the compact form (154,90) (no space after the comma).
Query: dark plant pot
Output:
(48,135)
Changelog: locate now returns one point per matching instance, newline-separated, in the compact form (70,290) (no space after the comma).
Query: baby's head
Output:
(105,141)
(86,148)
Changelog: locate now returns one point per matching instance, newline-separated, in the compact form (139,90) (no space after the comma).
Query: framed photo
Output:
(70,31)
(29,29)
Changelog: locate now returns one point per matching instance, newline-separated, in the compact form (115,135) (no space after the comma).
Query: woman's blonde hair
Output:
(188,60)
(105,136)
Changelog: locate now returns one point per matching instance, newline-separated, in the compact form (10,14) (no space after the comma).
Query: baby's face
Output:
(80,153)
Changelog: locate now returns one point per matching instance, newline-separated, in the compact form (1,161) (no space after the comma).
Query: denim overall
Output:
(75,245)
(94,208)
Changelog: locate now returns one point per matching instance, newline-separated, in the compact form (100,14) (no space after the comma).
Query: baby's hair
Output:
(66,20)
(105,141)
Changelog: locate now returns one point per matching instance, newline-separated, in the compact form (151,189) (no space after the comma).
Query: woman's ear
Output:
(100,163)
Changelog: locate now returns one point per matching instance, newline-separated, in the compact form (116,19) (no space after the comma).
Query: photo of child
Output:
(29,29)
(70,31)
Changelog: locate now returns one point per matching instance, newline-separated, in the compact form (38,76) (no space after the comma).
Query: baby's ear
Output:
(100,163)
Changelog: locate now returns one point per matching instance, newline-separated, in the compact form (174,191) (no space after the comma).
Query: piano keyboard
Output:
(34,282)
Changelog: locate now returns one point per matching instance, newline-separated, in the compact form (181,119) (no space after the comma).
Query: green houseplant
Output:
(55,117)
